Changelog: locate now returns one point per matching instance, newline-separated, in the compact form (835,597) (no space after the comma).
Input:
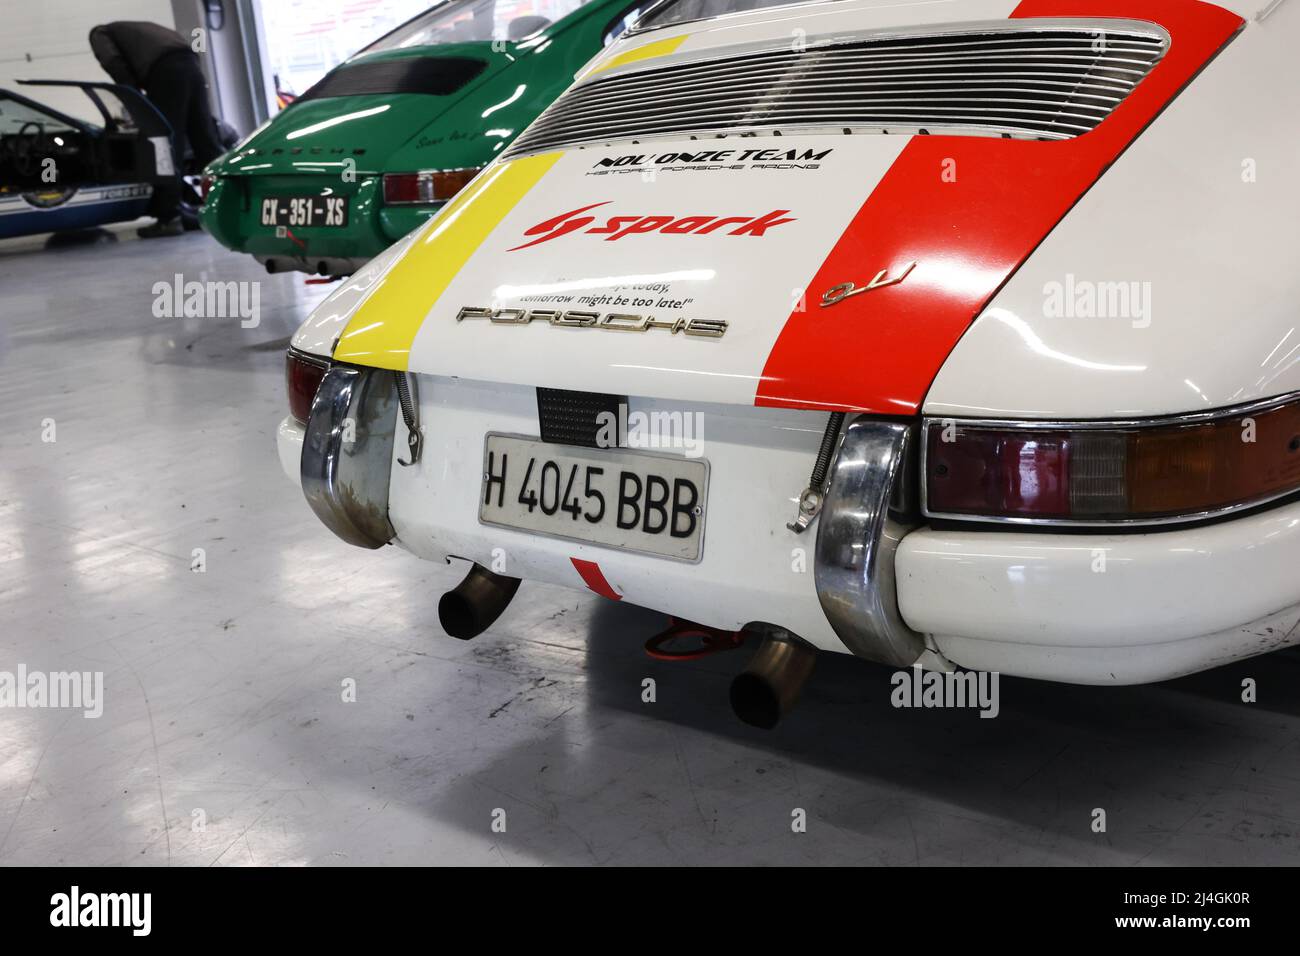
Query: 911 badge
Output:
(838,293)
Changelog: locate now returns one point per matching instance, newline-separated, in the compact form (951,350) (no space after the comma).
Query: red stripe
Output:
(594,578)
(880,351)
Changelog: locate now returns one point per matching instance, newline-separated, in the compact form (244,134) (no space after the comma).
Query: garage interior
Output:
(228,738)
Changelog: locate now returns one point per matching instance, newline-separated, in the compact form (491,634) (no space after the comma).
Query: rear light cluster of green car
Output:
(426,186)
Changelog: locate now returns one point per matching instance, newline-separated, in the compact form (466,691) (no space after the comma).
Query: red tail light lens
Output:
(302,376)
(205,186)
(1098,473)
(426,186)
(406,188)
(988,472)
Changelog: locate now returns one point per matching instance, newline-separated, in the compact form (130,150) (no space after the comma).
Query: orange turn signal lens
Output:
(1095,473)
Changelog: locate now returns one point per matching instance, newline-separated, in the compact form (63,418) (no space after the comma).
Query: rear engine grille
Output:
(1014,80)
(574,418)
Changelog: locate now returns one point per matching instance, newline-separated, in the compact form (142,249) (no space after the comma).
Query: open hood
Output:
(818,254)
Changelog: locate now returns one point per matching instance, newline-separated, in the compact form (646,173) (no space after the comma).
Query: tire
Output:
(190,203)
(190,218)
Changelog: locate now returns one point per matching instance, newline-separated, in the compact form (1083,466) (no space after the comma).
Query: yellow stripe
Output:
(382,329)
(645,51)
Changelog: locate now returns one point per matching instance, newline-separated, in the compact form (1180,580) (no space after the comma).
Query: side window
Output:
(624,21)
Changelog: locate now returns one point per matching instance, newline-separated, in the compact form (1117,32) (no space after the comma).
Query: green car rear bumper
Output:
(232,215)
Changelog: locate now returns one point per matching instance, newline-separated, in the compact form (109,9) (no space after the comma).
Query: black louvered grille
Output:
(574,418)
(1019,80)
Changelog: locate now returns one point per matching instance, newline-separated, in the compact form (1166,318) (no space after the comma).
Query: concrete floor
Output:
(225,740)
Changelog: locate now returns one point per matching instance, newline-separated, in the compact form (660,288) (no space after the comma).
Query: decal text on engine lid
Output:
(618,227)
(610,321)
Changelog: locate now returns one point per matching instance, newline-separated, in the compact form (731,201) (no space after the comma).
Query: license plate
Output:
(631,500)
(304,211)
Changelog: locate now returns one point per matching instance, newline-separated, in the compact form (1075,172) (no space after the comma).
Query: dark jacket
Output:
(128,49)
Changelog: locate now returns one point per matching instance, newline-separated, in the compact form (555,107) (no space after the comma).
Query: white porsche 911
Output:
(942,334)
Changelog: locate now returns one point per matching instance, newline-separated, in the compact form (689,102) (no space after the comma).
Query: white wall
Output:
(46,40)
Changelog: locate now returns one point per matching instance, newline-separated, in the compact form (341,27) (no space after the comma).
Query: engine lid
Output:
(807,270)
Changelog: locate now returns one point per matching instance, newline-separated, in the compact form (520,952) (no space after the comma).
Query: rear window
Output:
(433,77)
(683,11)
(460,21)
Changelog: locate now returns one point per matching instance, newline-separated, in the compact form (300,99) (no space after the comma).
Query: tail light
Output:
(1095,473)
(426,186)
(302,376)
(205,185)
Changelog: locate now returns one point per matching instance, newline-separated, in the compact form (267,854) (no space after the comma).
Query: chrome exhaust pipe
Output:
(769,687)
(474,605)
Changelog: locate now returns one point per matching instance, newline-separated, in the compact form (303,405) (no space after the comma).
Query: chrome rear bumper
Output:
(347,453)
(866,513)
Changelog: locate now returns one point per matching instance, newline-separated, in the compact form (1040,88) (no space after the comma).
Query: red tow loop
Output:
(711,641)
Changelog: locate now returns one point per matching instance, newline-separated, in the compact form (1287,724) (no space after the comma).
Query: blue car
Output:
(60,174)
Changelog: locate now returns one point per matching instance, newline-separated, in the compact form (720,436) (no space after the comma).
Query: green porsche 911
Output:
(383,140)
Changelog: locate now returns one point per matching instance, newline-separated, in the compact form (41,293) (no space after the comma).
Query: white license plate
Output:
(630,500)
(304,211)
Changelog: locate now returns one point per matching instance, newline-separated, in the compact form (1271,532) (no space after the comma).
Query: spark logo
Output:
(619,227)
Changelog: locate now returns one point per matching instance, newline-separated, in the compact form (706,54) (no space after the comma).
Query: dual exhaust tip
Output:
(769,687)
(763,693)
(473,606)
